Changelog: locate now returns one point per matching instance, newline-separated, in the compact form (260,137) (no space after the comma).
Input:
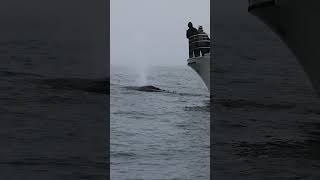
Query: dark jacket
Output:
(191,31)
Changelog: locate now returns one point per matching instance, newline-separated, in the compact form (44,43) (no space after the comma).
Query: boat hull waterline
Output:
(201,65)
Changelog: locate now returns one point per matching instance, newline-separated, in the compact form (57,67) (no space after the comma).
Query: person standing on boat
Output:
(191,35)
(204,41)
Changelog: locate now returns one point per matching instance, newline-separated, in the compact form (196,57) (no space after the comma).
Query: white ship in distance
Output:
(296,23)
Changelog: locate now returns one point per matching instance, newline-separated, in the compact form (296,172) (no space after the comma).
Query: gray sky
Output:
(153,32)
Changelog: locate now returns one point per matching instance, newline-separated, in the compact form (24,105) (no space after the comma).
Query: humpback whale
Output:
(148,88)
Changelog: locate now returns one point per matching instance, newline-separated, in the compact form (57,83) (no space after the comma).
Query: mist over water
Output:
(142,78)
(140,63)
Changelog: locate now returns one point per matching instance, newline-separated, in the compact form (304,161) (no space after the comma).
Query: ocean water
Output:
(159,135)
(266,113)
(51,128)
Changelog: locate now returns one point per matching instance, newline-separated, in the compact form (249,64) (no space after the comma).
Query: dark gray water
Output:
(53,107)
(47,122)
(266,114)
(159,134)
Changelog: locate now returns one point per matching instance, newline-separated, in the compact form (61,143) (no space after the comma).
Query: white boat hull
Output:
(201,65)
(296,23)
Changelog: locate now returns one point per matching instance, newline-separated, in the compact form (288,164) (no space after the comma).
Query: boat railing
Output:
(199,41)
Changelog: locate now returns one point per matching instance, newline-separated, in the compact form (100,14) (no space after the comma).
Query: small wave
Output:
(12,73)
(198,108)
(122,154)
(279,149)
(88,85)
(189,94)
(240,103)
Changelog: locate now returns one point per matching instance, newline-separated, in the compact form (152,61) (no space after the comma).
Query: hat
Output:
(200,27)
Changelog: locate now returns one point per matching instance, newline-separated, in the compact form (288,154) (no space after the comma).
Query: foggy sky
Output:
(152,32)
